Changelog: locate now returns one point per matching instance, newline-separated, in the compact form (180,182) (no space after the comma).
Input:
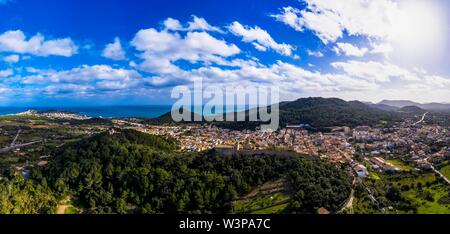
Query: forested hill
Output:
(328,112)
(320,113)
(412,110)
(131,172)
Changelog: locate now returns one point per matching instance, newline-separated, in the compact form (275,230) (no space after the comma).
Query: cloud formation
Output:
(349,50)
(160,49)
(174,53)
(114,50)
(329,19)
(317,54)
(196,24)
(14,58)
(16,42)
(6,73)
(260,39)
(351,79)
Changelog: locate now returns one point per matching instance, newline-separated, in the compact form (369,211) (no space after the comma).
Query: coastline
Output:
(96,111)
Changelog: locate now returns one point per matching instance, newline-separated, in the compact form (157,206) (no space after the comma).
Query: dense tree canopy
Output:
(20,196)
(132,172)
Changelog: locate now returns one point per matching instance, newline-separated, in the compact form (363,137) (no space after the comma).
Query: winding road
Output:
(440,174)
(421,120)
(18,146)
(15,138)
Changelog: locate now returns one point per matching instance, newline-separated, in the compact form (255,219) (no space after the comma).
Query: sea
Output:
(150,111)
(99,111)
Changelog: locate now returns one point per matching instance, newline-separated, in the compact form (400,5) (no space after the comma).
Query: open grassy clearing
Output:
(446,171)
(261,203)
(269,198)
(425,192)
(374,175)
(429,206)
(422,179)
(400,165)
(272,210)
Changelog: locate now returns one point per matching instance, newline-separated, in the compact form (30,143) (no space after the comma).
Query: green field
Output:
(72,140)
(262,204)
(421,193)
(364,206)
(402,166)
(430,187)
(21,117)
(272,210)
(38,121)
(71,210)
(373,175)
(269,198)
(446,171)
(426,206)
(423,179)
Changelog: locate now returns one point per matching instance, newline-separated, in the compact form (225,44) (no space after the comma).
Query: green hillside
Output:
(130,172)
(319,113)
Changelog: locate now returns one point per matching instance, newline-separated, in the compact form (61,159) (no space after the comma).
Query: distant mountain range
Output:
(404,103)
(382,106)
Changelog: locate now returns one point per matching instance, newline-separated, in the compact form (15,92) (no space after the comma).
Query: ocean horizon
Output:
(150,111)
(118,111)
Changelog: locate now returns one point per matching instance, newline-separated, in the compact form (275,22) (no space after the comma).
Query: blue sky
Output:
(134,52)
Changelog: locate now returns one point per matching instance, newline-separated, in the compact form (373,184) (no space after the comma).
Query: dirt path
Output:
(349,204)
(63,205)
(62,209)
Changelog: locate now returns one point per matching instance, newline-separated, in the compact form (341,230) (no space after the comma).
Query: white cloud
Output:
(165,53)
(114,50)
(67,89)
(259,47)
(292,79)
(16,42)
(290,16)
(437,82)
(382,48)
(14,58)
(196,24)
(329,19)
(377,72)
(201,24)
(259,38)
(315,53)
(409,32)
(349,50)
(160,49)
(352,80)
(32,70)
(80,75)
(173,24)
(6,73)
(80,82)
